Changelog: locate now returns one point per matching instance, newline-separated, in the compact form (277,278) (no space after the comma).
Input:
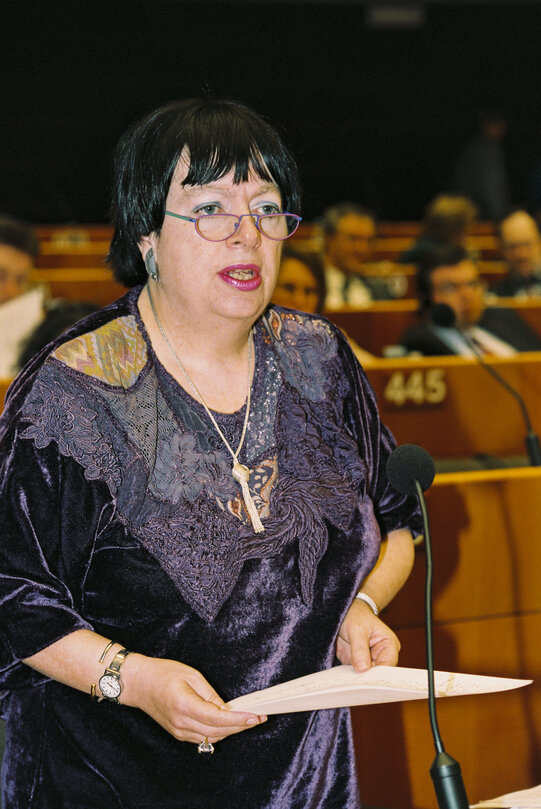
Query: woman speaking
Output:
(193,495)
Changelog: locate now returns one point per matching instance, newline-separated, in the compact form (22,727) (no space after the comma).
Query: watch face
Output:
(110,686)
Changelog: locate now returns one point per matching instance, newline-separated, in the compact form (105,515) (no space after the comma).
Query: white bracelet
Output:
(370,601)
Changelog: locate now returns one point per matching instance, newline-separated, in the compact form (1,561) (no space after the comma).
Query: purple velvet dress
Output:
(119,514)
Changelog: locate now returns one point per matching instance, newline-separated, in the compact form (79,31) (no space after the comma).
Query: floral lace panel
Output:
(307,352)
(58,414)
(171,476)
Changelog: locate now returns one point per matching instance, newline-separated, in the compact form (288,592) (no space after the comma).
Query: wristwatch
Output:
(109,682)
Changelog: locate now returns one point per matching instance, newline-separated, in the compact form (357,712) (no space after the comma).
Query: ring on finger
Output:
(205,746)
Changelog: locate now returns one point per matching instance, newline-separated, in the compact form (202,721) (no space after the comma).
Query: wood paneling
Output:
(454,408)
(486,539)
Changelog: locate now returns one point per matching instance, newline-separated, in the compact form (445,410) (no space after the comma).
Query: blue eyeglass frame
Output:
(255,216)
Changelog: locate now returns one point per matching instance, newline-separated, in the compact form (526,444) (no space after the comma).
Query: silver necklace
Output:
(240,472)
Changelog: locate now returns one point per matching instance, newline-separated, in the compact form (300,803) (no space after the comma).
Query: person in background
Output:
(352,277)
(301,281)
(480,172)
(447,220)
(18,253)
(60,315)
(301,285)
(521,247)
(21,307)
(448,275)
(194,503)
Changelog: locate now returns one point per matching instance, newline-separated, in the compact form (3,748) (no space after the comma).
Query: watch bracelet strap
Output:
(112,669)
(116,662)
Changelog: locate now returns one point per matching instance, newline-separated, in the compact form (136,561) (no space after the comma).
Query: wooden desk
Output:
(453,407)
(91,254)
(65,233)
(4,385)
(486,539)
(94,284)
(393,238)
(382,323)
(73,245)
(529,310)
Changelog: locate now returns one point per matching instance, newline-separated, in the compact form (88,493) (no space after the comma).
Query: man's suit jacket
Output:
(502,323)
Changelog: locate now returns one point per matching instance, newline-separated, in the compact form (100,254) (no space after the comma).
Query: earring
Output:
(151,266)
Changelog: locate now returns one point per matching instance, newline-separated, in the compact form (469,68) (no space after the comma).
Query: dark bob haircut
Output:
(218,136)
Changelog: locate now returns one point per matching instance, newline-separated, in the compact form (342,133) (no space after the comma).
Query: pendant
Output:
(241,473)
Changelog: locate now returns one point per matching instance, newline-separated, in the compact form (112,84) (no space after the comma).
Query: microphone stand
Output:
(532,439)
(445,770)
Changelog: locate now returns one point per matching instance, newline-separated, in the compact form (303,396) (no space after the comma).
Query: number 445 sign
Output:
(418,387)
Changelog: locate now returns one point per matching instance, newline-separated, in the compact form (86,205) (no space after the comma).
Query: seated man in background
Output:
(21,308)
(521,247)
(447,220)
(352,280)
(448,275)
(60,316)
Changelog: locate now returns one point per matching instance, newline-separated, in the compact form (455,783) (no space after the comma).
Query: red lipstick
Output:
(244,277)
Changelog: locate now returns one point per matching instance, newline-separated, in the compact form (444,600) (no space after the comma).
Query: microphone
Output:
(410,470)
(444,315)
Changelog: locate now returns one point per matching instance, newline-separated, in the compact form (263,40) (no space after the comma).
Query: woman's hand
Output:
(365,641)
(179,699)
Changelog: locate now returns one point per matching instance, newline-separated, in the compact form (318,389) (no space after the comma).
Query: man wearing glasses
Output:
(352,277)
(464,325)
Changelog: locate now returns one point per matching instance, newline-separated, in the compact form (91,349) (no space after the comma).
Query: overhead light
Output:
(395,15)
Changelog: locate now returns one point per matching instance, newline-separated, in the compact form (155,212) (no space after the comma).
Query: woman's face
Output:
(296,287)
(229,279)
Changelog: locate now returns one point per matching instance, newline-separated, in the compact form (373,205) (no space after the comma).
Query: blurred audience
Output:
(448,275)
(18,252)
(352,277)
(301,286)
(480,171)
(521,247)
(60,316)
(301,282)
(447,220)
(21,307)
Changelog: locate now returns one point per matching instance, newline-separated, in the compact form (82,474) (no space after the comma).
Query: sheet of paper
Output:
(341,686)
(524,799)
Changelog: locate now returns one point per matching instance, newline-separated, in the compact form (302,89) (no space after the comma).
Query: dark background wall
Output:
(373,115)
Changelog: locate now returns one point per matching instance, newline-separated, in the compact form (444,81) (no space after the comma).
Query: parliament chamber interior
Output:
(400,93)
(485,513)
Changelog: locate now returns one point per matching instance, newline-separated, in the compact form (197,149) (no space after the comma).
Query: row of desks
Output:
(382,323)
(375,327)
(453,407)
(87,281)
(62,246)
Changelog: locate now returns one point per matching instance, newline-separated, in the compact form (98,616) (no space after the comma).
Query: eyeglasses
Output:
(217,227)
(451,287)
